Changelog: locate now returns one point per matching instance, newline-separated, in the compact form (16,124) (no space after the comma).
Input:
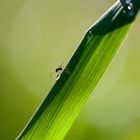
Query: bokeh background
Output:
(37,36)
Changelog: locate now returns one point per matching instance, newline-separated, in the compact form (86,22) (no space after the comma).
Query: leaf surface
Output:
(60,108)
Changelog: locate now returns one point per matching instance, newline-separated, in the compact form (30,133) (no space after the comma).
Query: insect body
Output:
(58,69)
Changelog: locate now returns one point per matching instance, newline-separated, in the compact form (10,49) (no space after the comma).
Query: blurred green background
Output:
(37,36)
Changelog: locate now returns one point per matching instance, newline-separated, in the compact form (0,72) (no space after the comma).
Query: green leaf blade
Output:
(61,107)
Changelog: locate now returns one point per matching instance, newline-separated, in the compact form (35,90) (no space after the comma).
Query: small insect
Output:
(58,70)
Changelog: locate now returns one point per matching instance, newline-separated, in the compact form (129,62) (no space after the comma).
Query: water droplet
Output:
(128,7)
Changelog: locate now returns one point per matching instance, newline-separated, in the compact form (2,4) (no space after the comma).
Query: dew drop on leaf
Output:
(128,8)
